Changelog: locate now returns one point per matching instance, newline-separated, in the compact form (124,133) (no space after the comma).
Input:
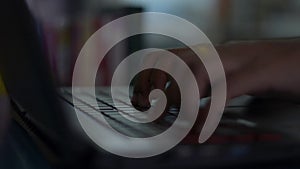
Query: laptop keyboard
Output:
(110,110)
(232,128)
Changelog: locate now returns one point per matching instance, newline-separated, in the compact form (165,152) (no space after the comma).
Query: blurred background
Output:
(66,25)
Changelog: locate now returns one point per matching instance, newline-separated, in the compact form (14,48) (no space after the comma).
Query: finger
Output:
(173,94)
(158,79)
(173,99)
(141,89)
(202,81)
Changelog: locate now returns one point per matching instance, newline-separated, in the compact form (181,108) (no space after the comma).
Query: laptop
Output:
(47,114)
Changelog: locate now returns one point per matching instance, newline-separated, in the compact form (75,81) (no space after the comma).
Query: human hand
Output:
(263,68)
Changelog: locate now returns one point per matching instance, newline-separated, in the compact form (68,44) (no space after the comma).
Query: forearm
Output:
(262,67)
